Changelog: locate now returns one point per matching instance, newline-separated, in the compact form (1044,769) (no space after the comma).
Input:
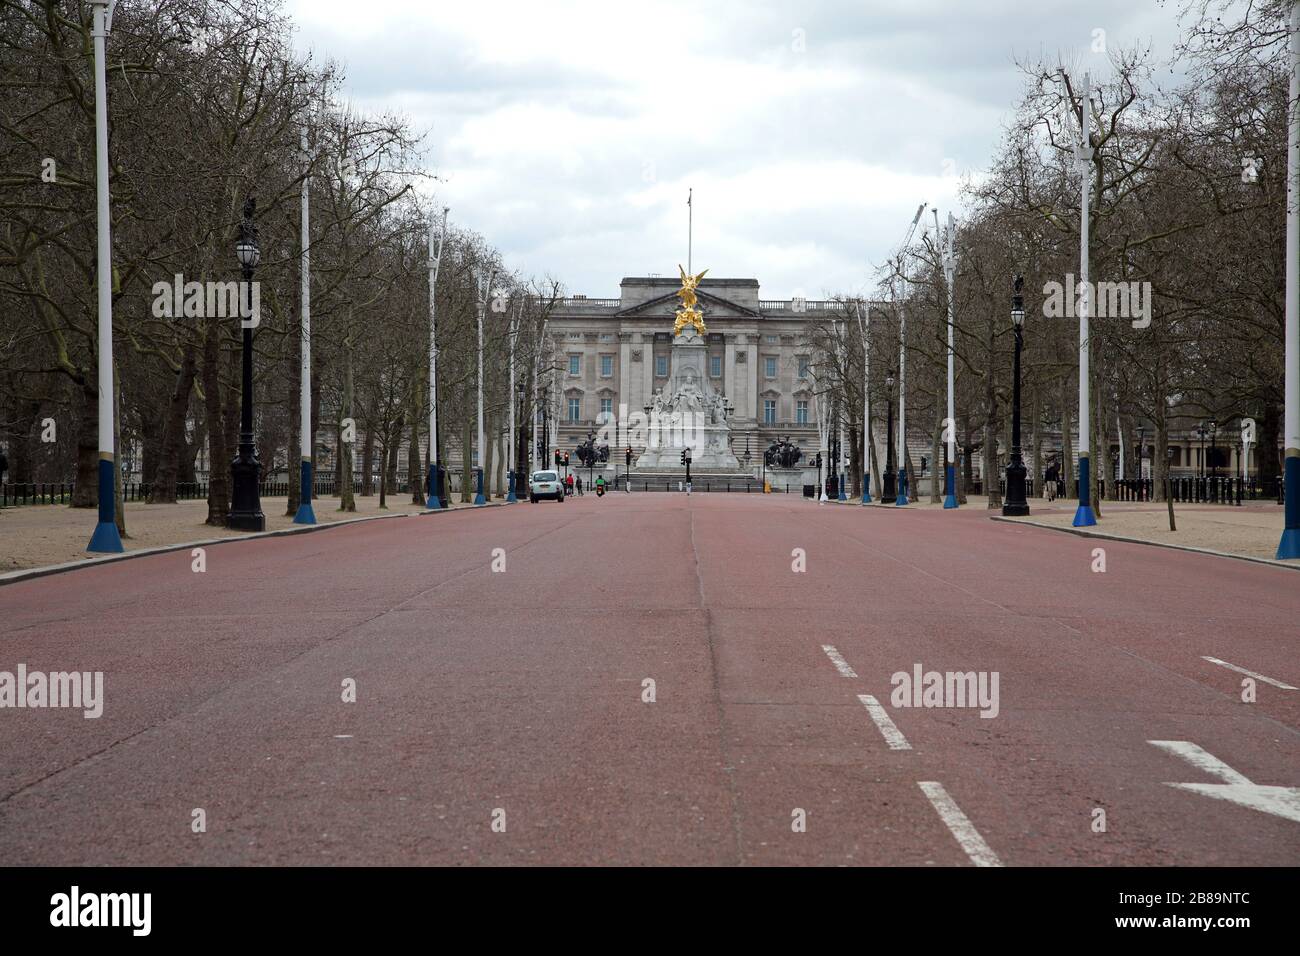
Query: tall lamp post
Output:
(950,442)
(864,325)
(1200,433)
(246,470)
(888,490)
(434,501)
(306,436)
(485,291)
(1289,545)
(105,538)
(1214,449)
(521,441)
(1015,504)
(512,465)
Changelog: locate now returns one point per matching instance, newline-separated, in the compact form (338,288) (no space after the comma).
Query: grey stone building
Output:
(612,354)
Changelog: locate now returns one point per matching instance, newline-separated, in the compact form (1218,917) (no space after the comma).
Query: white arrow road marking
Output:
(1280,801)
(979,852)
(888,729)
(838,660)
(1242,670)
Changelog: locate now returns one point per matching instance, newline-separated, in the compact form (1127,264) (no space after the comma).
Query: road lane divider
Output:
(1241,670)
(980,853)
(893,736)
(838,660)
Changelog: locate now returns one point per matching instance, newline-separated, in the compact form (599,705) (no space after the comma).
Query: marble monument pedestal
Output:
(688,413)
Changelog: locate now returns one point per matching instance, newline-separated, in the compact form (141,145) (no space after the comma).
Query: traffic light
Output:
(558,460)
(566,459)
(683,458)
(629,456)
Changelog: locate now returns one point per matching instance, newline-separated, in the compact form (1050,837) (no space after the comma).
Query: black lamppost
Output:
(1200,433)
(1214,451)
(890,488)
(245,501)
(1015,504)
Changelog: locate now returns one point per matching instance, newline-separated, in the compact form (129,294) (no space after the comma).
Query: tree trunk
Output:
(938,472)
(1067,446)
(1036,446)
(346,500)
(85,492)
(467,459)
(163,489)
(414,473)
(293,446)
(368,464)
(218,450)
(394,439)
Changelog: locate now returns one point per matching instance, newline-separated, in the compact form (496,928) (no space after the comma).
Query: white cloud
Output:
(567,133)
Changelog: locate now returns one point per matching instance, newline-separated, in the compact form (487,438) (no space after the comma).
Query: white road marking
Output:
(1280,801)
(979,852)
(840,663)
(893,736)
(1200,759)
(342,736)
(1242,670)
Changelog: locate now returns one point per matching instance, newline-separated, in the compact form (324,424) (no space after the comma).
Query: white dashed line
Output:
(1242,670)
(979,852)
(342,736)
(840,663)
(893,736)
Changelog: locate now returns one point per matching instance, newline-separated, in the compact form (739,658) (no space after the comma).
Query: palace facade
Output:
(613,354)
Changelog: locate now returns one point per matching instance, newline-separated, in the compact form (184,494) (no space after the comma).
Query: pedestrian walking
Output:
(580,486)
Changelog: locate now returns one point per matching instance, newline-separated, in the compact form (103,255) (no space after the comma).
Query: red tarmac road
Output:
(518,696)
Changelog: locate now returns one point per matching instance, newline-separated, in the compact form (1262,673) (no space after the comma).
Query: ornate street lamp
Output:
(246,470)
(1015,504)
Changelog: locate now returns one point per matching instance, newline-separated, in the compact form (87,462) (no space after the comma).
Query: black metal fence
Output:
(53,493)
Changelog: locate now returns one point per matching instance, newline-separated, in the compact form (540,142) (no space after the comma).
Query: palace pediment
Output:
(715,307)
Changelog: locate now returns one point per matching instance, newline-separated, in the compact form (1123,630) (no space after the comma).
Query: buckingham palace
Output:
(614,354)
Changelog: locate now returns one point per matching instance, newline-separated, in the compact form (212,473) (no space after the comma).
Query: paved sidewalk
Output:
(33,536)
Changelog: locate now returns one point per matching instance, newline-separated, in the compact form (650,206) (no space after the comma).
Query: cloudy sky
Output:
(568,133)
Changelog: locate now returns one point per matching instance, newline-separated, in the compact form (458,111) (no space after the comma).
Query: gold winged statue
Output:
(688,314)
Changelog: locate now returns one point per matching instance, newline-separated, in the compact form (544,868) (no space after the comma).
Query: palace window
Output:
(575,409)
(715,366)
(803,366)
(769,366)
(661,366)
(575,364)
(801,412)
(769,411)
(606,366)
(607,407)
